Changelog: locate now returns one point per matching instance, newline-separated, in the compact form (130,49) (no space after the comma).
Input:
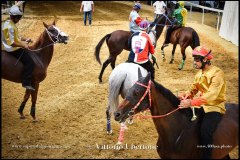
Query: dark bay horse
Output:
(118,40)
(184,36)
(178,135)
(41,53)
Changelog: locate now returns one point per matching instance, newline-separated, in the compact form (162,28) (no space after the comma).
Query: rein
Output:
(131,113)
(53,42)
(167,19)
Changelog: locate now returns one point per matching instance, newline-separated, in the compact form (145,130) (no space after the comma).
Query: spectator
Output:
(88,8)
(159,8)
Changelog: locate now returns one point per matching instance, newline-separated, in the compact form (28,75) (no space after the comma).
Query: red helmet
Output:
(201,51)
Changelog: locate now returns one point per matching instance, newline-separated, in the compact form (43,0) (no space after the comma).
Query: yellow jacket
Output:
(9,35)
(212,86)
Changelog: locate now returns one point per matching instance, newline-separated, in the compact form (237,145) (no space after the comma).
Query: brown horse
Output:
(184,36)
(118,40)
(178,135)
(41,52)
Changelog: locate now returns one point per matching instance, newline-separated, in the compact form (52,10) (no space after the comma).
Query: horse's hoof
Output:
(109,132)
(164,59)
(119,143)
(100,80)
(130,121)
(179,68)
(35,121)
(171,62)
(22,117)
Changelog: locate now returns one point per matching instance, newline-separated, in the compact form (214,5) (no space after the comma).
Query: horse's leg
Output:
(109,130)
(34,100)
(173,52)
(25,99)
(105,64)
(183,58)
(121,133)
(113,62)
(162,50)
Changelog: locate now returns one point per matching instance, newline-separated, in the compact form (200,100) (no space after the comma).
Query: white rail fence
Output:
(206,8)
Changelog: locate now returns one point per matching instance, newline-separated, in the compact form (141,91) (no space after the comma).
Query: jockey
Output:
(134,18)
(12,43)
(141,46)
(210,82)
(180,15)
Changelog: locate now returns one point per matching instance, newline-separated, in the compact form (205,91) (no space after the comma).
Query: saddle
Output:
(130,39)
(37,62)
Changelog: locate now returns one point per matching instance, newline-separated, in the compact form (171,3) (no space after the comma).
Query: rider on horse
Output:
(180,15)
(134,18)
(12,43)
(210,82)
(141,46)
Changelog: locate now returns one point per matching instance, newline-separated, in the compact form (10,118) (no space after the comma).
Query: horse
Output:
(178,136)
(184,36)
(121,79)
(41,52)
(118,40)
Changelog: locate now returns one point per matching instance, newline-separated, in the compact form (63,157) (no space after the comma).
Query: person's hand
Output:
(25,46)
(185,103)
(29,40)
(182,96)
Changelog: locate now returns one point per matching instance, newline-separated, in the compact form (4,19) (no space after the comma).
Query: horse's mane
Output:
(167,94)
(38,42)
(173,99)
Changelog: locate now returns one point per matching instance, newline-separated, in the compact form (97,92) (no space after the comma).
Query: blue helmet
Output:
(137,6)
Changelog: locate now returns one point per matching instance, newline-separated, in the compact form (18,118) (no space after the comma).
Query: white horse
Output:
(121,80)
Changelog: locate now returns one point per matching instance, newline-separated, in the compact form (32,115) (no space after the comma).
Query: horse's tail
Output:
(196,41)
(98,47)
(116,82)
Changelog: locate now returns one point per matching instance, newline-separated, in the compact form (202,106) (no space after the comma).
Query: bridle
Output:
(148,91)
(51,36)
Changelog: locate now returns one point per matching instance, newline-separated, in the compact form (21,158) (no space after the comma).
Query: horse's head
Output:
(137,99)
(55,34)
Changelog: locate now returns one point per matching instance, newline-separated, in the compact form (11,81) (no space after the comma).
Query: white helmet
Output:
(15,10)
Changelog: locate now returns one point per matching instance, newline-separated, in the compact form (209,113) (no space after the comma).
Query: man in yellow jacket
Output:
(16,46)
(211,84)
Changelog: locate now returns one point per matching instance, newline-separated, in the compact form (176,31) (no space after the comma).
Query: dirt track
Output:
(71,103)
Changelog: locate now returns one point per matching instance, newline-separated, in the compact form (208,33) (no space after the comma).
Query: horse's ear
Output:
(55,20)
(45,25)
(139,73)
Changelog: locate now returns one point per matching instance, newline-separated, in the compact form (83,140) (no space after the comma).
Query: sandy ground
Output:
(71,103)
